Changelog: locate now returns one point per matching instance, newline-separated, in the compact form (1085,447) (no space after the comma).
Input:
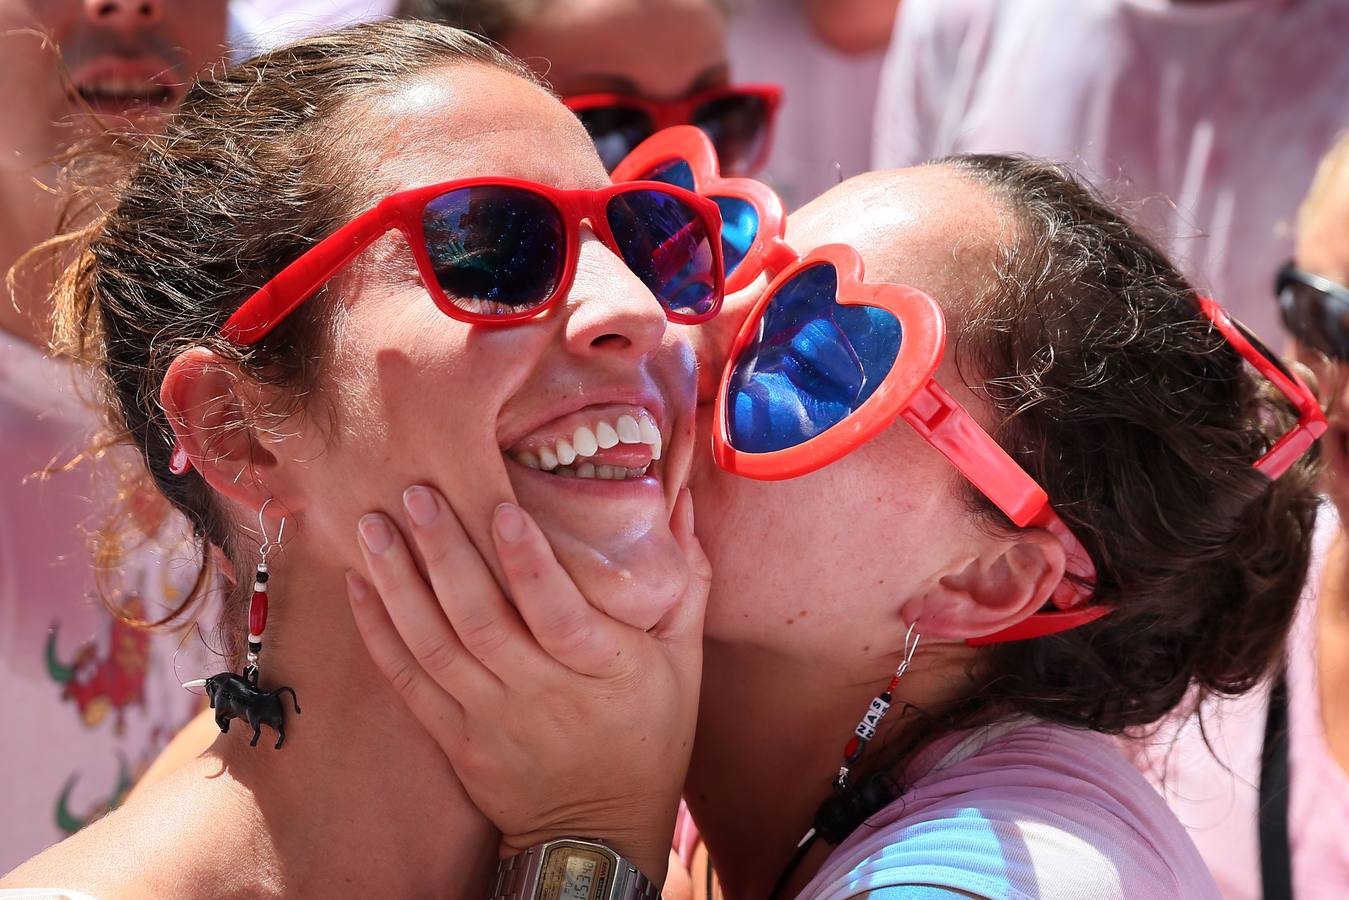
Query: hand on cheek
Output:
(558,719)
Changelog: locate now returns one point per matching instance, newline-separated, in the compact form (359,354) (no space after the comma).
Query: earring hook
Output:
(911,639)
(268,545)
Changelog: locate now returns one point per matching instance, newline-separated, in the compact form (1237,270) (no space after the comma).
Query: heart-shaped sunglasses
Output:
(826,361)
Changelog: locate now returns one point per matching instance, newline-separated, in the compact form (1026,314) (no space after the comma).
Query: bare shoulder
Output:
(166,842)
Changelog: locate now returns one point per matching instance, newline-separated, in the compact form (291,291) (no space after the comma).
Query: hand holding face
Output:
(558,719)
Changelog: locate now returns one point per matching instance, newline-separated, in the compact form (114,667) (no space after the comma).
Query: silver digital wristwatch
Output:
(571,869)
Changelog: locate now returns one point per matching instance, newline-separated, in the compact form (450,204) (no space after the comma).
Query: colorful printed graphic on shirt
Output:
(112,682)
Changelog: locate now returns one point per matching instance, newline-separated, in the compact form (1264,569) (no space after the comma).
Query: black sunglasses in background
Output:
(1315,310)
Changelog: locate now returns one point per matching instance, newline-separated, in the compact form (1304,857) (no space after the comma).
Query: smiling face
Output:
(127,60)
(828,562)
(600,389)
(660,49)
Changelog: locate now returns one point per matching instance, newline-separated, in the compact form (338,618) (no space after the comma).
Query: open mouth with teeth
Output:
(619,447)
(116,95)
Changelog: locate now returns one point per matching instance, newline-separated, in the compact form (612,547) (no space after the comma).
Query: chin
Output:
(635,575)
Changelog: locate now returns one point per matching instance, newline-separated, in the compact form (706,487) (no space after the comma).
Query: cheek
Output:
(847,544)
(200,33)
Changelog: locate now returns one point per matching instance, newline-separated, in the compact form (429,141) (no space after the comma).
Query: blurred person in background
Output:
(87,699)
(259,25)
(1261,784)
(629,67)
(1206,117)
(827,56)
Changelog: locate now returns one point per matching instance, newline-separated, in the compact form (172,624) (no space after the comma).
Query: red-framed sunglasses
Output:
(493,251)
(825,361)
(1311,419)
(738,119)
(753,220)
(498,251)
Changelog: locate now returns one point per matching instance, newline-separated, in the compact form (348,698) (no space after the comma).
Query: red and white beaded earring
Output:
(849,805)
(239,696)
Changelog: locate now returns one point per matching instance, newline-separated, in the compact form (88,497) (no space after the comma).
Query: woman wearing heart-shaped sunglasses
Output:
(919,645)
(373,253)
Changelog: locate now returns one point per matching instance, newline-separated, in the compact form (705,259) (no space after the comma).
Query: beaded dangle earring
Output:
(850,805)
(238,696)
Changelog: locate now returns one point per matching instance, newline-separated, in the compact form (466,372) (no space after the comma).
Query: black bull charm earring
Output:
(238,696)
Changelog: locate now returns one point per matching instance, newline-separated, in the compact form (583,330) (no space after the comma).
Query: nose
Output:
(609,310)
(123,13)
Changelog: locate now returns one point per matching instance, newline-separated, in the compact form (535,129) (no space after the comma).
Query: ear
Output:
(1008,581)
(206,399)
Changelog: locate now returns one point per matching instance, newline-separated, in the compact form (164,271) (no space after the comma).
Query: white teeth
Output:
(587,441)
(605,435)
(566,453)
(584,441)
(629,432)
(650,434)
(565,471)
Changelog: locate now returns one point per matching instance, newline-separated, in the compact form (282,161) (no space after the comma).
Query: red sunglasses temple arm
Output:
(297,282)
(269,305)
(949,427)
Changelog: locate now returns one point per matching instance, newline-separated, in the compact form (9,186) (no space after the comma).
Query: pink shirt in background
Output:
(829,99)
(86,703)
(1207,119)
(258,25)
(1216,798)
(1023,810)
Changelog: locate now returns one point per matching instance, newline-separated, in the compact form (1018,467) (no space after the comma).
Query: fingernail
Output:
(357,589)
(375,532)
(421,505)
(510,523)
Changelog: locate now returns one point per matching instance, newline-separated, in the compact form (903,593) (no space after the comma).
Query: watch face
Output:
(575,873)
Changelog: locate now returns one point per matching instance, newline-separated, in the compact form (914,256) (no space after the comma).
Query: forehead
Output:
(656,47)
(472,120)
(928,226)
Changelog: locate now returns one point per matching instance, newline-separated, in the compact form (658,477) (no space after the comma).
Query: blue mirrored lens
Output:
(739,218)
(663,241)
(676,172)
(495,249)
(811,365)
(739,227)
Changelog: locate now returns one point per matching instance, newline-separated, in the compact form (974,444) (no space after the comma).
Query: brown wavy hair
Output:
(1142,424)
(259,163)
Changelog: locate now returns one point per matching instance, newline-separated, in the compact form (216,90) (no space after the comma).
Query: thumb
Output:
(683,625)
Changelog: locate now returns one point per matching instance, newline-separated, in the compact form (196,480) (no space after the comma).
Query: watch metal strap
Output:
(518,874)
(518,877)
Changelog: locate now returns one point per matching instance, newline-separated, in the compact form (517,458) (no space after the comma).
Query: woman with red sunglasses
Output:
(381,251)
(915,663)
(629,68)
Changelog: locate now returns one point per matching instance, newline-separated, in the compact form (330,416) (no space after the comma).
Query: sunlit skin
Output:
(121,63)
(1322,247)
(816,580)
(660,49)
(408,396)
